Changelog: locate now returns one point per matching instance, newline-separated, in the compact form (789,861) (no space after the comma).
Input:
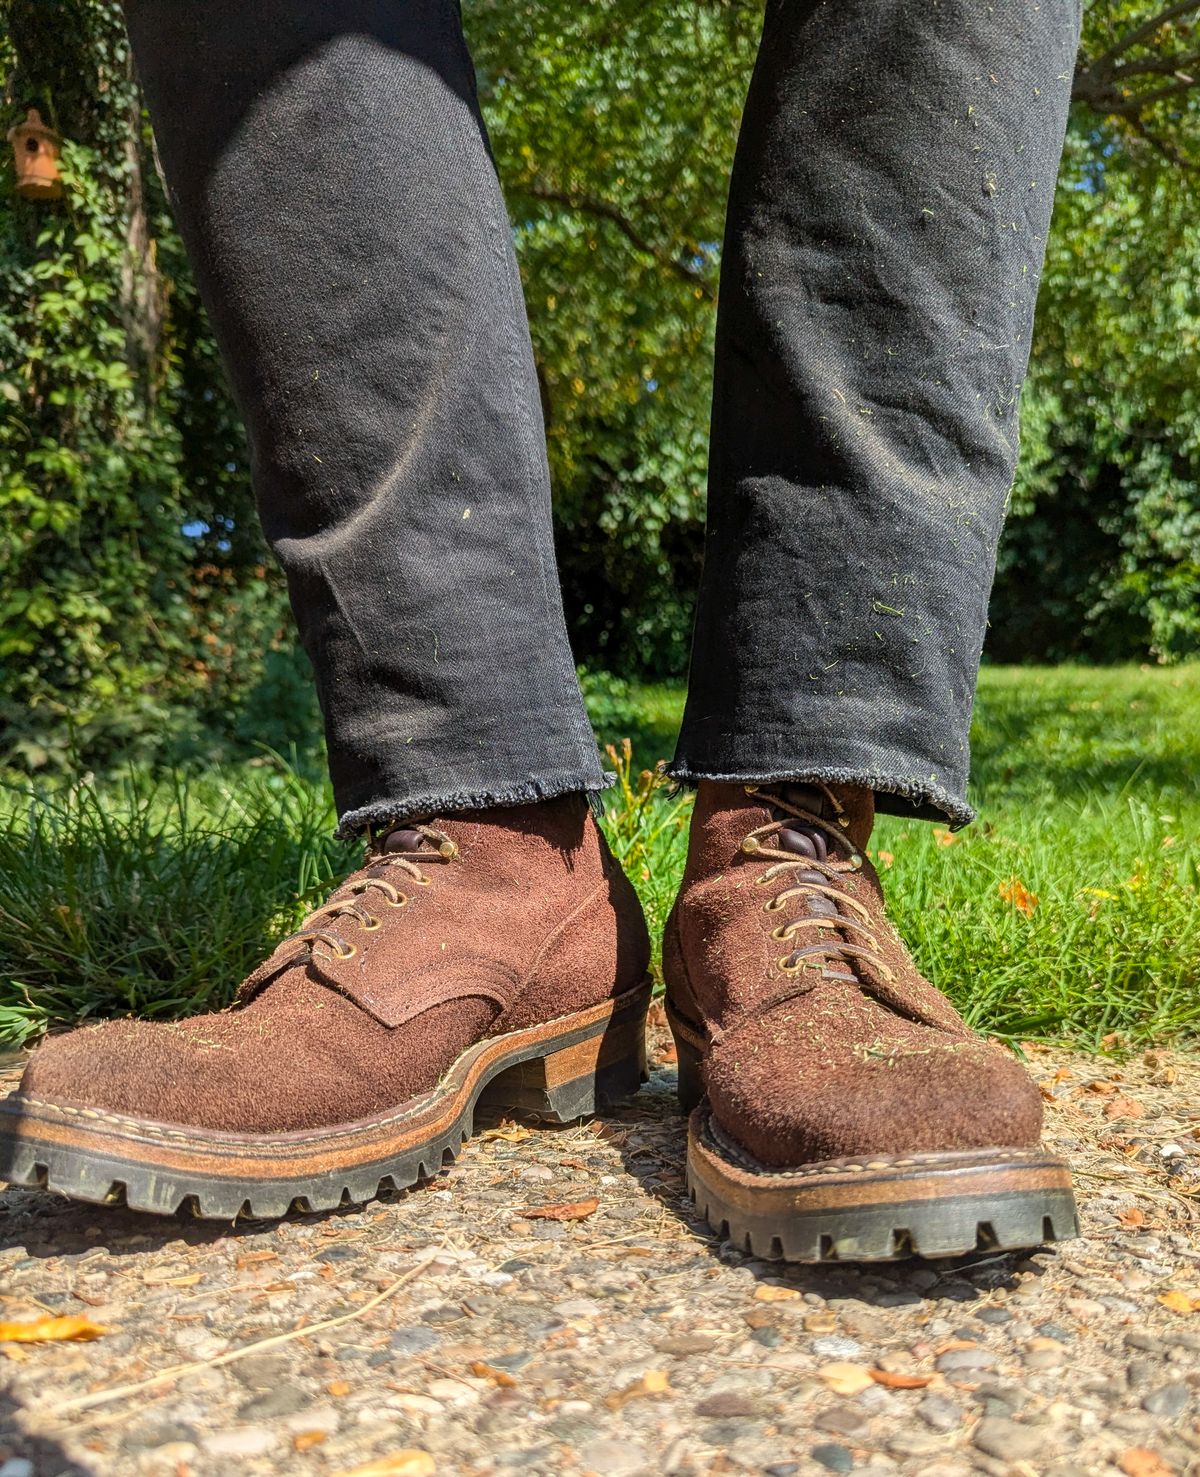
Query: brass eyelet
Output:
(370,924)
(781,934)
(772,905)
(348,952)
(751,844)
(786,967)
(399,901)
(423,882)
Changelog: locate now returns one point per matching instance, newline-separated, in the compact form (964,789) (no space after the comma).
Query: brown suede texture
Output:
(532,920)
(853,1067)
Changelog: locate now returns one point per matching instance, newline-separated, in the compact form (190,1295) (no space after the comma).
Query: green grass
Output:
(156,899)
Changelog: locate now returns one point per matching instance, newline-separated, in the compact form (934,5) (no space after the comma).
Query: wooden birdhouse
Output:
(35,153)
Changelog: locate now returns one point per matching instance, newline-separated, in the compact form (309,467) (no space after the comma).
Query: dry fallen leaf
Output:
(944,838)
(846,1379)
(252,1258)
(576,1210)
(338,1388)
(510,1133)
(1015,892)
(1140,1461)
(489,1372)
(653,1382)
(1179,1302)
(772,1292)
(1133,1215)
(51,1330)
(899,1381)
(407,1463)
(306,1440)
(1124,1107)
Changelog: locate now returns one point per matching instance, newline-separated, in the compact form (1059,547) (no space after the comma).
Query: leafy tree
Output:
(115,628)
(1101,557)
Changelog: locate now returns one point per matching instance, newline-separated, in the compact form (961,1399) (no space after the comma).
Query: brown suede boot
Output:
(501,953)
(850,1114)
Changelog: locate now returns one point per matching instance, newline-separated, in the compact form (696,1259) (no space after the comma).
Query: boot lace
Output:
(812,856)
(400,850)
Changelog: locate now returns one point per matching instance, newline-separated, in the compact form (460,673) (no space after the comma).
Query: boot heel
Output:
(576,1081)
(691,1080)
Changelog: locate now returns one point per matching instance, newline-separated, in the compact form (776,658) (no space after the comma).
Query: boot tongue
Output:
(856,819)
(421,839)
(404,839)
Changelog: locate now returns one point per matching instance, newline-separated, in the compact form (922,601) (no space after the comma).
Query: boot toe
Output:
(163,1072)
(946,1095)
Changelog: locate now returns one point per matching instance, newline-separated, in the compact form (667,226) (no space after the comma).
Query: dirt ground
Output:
(459,1328)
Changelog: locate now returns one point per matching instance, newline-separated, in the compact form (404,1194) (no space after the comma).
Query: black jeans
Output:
(887,220)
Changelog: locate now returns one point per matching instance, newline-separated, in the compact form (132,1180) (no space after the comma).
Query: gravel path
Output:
(477,1336)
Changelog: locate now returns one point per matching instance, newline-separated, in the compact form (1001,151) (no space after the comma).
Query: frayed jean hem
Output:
(894,795)
(393,812)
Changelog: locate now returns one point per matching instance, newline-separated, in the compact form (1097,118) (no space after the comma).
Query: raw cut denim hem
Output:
(894,794)
(395,812)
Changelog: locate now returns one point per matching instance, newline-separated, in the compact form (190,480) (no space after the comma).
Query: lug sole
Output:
(884,1209)
(873,1209)
(558,1071)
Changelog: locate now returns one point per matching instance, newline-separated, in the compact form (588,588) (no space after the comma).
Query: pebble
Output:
(16,1466)
(1008,1397)
(940,1413)
(285,1400)
(913,1444)
(580,1308)
(414,1340)
(961,1360)
(337,1254)
(684,1344)
(443,1313)
(833,1458)
(1055,1331)
(837,1346)
(614,1458)
(842,1420)
(251,1441)
(1007,1441)
(1168,1401)
(163,1434)
(725,1404)
(260,1371)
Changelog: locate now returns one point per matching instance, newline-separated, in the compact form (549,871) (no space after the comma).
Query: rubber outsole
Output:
(559,1071)
(881,1210)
